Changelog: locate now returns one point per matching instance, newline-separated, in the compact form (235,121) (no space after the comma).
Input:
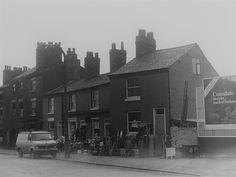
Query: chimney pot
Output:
(150,34)
(122,45)
(113,46)
(142,32)
(96,55)
(74,50)
(90,54)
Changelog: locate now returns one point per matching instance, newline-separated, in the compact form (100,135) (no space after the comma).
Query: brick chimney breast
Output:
(117,57)
(145,44)
(47,55)
(92,65)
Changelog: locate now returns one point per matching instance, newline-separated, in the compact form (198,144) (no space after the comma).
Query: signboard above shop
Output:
(220,102)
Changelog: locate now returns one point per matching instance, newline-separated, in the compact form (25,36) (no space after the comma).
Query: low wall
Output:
(183,136)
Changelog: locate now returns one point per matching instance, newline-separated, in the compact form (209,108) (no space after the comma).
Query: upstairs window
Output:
(33,106)
(33,84)
(95,99)
(13,88)
(51,105)
(72,102)
(196,66)
(133,120)
(21,84)
(133,88)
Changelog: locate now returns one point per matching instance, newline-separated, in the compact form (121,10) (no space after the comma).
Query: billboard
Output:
(220,102)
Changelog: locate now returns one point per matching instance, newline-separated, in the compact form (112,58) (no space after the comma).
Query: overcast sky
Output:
(92,25)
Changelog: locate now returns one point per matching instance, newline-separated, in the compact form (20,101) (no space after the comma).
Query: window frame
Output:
(94,99)
(21,84)
(72,103)
(33,83)
(14,88)
(33,106)
(135,97)
(196,66)
(51,105)
(128,122)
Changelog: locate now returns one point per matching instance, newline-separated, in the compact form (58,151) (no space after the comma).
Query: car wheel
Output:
(20,153)
(54,155)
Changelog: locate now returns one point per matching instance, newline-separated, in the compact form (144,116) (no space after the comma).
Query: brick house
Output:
(23,89)
(151,88)
(88,100)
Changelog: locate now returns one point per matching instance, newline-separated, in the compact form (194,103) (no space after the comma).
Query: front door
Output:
(95,127)
(72,126)
(159,119)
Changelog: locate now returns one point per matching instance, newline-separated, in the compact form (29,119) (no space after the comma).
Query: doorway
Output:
(72,126)
(159,127)
(95,127)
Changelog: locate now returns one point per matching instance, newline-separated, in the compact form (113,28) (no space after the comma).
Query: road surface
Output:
(12,166)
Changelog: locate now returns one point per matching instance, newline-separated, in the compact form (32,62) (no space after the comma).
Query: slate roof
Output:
(32,70)
(82,84)
(160,59)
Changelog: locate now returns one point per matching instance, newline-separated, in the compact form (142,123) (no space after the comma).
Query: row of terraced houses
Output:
(148,90)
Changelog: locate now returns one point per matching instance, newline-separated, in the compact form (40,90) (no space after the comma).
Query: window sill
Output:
(132,133)
(134,98)
(95,108)
(72,110)
(50,113)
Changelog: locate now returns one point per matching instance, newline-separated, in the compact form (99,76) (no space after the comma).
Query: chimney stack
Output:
(117,57)
(47,55)
(92,65)
(145,44)
(9,74)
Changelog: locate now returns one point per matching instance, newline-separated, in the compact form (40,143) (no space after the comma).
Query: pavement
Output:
(204,166)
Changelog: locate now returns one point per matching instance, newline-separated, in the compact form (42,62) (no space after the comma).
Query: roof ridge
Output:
(191,44)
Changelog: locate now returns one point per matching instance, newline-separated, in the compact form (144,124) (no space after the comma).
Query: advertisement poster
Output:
(220,101)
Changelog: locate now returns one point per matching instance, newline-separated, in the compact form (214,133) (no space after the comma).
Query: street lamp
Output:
(64,117)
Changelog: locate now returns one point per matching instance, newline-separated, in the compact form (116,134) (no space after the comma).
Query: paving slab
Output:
(208,167)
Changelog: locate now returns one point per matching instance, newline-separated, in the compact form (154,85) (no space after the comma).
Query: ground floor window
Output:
(95,127)
(133,120)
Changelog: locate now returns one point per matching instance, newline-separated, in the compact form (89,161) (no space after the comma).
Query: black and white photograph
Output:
(117,88)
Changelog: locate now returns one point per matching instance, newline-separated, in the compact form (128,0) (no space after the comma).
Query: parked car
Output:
(36,143)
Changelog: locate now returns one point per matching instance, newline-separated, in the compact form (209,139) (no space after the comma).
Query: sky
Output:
(93,25)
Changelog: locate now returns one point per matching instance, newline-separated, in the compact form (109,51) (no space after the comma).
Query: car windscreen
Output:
(41,136)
